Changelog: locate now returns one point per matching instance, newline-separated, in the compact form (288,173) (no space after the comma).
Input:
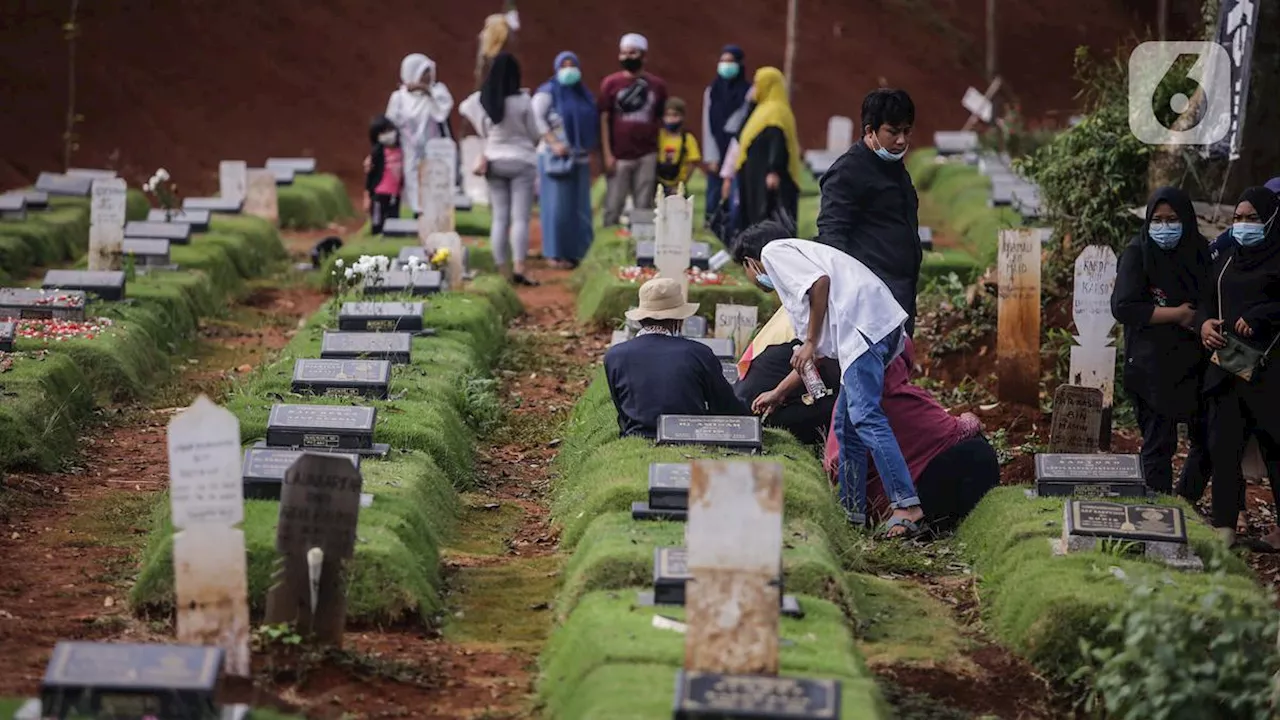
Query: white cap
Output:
(634,41)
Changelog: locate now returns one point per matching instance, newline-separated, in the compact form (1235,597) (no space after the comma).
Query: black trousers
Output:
(1242,409)
(953,483)
(1160,441)
(382,207)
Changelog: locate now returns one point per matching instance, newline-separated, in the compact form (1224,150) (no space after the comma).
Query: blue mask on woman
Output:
(728,70)
(568,76)
(1165,235)
(1248,234)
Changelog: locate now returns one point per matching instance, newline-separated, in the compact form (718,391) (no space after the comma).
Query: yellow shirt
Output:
(669,154)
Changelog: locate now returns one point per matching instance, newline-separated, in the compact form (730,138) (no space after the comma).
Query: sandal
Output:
(913,529)
(522,280)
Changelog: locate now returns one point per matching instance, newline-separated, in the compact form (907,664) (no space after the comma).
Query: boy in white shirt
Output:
(841,310)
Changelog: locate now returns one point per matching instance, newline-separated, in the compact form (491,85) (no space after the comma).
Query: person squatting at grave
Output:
(869,206)
(724,98)
(678,152)
(765,368)
(631,104)
(1161,276)
(1224,240)
(769,153)
(420,109)
(1239,323)
(658,372)
(842,311)
(385,179)
(952,464)
(503,116)
(566,114)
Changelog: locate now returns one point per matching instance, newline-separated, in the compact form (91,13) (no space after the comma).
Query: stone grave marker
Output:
(839,134)
(211,586)
(380,317)
(262,472)
(719,260)
(96,679)
(92,173)
(340,428)
(643,225)
(1077,419)
(436,177)
(65,185)
(471,148)
(722,347)
(261,199)
(1018,316)
(178,233)
(299,165)
(1161,531)
(36,199)
(106,284)
(737,322)
(197,219)
(644,253)
(1093,359)
(735,433)
(229,206)
(730,371)
(700,255)
(694,326)
(8,330)
(671,576)
(394,347)
(926,238)
(233,180)
(40,304)
(107,210)
(668,493)
(319,509)
(344,378)
(147,253)
(956,142)
(282,175)
(13,206)
(393,282)
(456,267)
(1026,200)
(400,227)
(1089,475)
(674,228)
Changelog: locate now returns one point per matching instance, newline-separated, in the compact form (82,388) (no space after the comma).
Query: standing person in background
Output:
(420,109)
(503,115)
(631,104)
(385,179)
(870,209)
(497,36)
(567,118)
(678,152)
(724,97)
(769,153)
(1225,240)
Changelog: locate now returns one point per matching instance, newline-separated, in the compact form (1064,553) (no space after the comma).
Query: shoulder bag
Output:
(1238,357)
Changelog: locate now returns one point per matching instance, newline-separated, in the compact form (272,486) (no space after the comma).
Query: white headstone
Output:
(436,186)
(977,104)
(456,267)
(839,133)
(204,466)
(673,240)
(233,179)
(1093,360)
(261,198)
(475,186)
(108,205)
(737,322)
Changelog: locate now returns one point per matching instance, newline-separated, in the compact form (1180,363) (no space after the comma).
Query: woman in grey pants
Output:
(503,116)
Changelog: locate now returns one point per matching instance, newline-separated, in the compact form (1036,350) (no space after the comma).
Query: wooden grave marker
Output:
(316,537)
(211,585)
(1018,316)
(233,180)
(1093,359)
(261,198)
(108,204)
(737,322)
(673,238)
(1077,419)
(435,185)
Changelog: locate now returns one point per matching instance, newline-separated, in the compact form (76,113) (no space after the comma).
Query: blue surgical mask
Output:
(887,156)
(1248,234)
(568,75)
(728,70)
(765,282)
(1165,235)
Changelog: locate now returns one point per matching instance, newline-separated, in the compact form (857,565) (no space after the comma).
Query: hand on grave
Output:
(801,355)
(1243,329)
(1211,334)
(771,181)
(766,402)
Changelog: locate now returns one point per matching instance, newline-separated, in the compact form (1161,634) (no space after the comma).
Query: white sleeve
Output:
(710,151)
(393,108)
(442,100)
(541,104)
(729,168)
(473,111)
(792,272)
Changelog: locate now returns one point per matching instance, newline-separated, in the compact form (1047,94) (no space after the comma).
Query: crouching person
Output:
(658,372)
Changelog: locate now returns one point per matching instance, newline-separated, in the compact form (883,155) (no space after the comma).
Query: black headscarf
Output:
(1265,203)
(1179,272)
(726,97)
(502,82)
(1250,288)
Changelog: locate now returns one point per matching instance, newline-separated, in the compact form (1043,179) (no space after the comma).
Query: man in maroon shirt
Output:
(631,103)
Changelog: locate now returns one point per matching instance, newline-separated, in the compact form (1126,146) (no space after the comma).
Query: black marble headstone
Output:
(197,219)
(36,199)
(715,696)
(423,282)
(722,347)
(263,470)
(669,486)
(32,304)
(8,330)
(730,370)
(149,252)
(644,253)
(13,206)
(700,255)
(106,284)
(1155,523)
(322,427)
(178,233)
(68,185)
(380,317)
(283,175)
(393,347)
(400,227)
(89,679)
(1089,475)
(733,432)
(299,165)
(213,204)
(351,378)
(694,327)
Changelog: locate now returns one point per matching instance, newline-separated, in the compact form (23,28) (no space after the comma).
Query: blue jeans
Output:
(713,198)
(862,426)
(565,206)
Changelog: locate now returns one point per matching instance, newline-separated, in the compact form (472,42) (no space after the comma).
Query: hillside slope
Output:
(184,83)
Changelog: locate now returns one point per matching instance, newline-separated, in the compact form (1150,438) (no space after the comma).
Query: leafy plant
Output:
(953,316)
(1000,443)
(266,637)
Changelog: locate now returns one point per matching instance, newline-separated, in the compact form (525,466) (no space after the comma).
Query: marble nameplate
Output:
(1089,475)
(380,317)
(92,679)
(106,284)
(715,696)
(227,206)
(299,165)
(197,219)
(147,252)
(32,304)
(349,378)
(394,347)
(178,233)
(735,433)
(263,470)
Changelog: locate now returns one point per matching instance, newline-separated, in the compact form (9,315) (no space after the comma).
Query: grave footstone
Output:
(1093,359)
(92,174)
(381,317)
(671,577)
(730,371)
(400,227)
(1018,316)
(178,233)
(319,510)
(436,173)
(108,199)
(644,253)
(130,680)
(36,199)
(721,346)
(13,206)
(394,347)
(1077,419)
(1089,475)
(475,186)
(64,185)
(342,378)
(343,428)
(674,235)
(33,304)
(1159,531)
(197,219)
(211,587)
(263,469)
(261,199)
(700,255)
(106,284)
(299,165)
(393,282)
(233,180)
(8,330)
(282,175)
(716,695)
(227,206)
(926,238)
(694,326)
(956,142)
(147,253)
(642,225)
(731,432)
(736,323)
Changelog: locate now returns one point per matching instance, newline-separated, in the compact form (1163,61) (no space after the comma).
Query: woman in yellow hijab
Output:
(769,155)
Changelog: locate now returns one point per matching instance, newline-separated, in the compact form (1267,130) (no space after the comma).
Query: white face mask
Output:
(388,137)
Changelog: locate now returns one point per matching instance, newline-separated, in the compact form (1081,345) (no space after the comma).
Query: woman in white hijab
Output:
(420,109)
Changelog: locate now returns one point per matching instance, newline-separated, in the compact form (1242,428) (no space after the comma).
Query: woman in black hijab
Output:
(1242,302)
(1159,280)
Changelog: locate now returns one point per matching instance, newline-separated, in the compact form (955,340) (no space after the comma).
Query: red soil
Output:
(185,83)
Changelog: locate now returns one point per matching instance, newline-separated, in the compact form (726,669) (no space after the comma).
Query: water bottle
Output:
(812,383)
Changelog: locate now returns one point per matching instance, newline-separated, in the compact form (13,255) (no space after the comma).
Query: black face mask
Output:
(632,64)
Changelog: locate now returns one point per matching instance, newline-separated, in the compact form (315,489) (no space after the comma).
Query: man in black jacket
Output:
(869,206)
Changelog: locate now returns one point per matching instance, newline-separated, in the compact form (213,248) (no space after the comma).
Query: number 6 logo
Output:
(1150,63)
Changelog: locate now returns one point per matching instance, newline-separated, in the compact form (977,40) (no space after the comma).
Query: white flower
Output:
(339,262)
(162,174)
(146,187)
(350,273)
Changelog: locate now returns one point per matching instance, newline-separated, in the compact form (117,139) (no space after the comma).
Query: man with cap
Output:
(631,103)
(658,372)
